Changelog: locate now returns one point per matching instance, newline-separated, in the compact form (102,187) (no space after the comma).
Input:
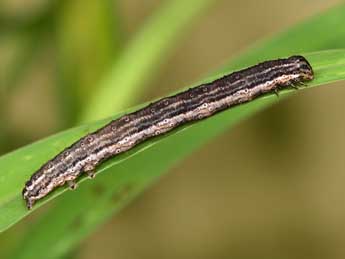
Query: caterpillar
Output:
(162,116)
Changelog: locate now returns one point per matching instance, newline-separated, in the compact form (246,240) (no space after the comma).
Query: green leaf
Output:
(120,179)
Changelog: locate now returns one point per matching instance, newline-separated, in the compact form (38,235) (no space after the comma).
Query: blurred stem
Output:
(88,38)
(29,37)
(128,76)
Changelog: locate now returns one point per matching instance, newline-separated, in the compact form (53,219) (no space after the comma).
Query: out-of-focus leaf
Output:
(88,40)
(129,74)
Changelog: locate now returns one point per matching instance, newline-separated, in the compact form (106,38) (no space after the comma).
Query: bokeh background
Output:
(272,187)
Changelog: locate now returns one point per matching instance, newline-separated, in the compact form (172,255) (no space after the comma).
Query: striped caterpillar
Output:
(162,116)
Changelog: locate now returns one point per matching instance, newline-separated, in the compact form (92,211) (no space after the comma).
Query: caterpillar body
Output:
(162,116)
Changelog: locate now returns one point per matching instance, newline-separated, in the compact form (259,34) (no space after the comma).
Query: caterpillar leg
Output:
(90,170)
(29,203)
(91,174)
(72,184)
(276,91)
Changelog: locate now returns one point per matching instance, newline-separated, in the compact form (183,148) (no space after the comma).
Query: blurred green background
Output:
(272,187)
